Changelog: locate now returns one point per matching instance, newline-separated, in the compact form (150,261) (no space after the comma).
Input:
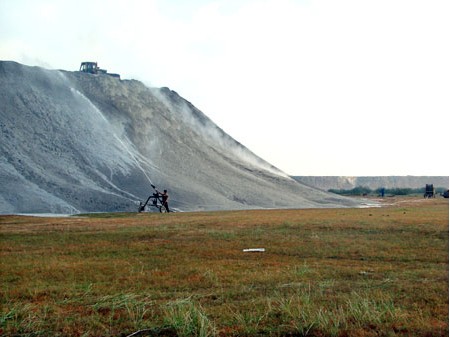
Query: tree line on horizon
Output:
(363,190)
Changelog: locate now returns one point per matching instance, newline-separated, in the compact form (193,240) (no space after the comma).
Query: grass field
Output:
(324,272)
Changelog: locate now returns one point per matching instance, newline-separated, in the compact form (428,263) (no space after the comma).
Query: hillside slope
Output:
(74,142)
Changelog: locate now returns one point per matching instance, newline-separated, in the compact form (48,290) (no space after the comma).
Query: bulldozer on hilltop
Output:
(93,68)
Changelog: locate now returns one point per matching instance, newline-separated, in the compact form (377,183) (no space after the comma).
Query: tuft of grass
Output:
(125,307)
(188,319)
(298,313)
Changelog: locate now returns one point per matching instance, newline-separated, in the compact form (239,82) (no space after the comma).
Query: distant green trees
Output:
(362,190)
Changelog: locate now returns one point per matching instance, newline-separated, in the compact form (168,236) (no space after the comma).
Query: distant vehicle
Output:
(445,194)
(429,191)
(93,68)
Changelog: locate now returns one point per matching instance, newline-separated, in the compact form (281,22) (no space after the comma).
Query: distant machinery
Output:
(93,68)
(430,192)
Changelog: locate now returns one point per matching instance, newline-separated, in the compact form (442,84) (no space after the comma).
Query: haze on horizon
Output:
(354,88)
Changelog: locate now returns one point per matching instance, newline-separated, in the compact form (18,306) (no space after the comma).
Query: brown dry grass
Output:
(325,272)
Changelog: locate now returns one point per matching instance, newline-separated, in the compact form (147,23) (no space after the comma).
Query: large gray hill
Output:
(74,142)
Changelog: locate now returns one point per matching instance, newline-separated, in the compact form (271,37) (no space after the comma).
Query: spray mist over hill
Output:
(75,142)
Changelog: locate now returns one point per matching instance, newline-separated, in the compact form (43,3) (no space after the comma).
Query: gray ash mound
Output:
(73,142)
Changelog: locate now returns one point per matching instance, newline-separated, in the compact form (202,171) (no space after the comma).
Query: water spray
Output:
(133,156)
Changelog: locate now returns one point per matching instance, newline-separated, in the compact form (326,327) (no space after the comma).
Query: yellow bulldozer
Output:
(93,68)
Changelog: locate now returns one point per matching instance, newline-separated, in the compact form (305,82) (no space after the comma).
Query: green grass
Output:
(325,272)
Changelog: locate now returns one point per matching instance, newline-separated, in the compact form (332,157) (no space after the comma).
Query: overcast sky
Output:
(314,87)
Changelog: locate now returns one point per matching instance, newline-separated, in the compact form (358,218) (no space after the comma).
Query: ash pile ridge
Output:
(75,142)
